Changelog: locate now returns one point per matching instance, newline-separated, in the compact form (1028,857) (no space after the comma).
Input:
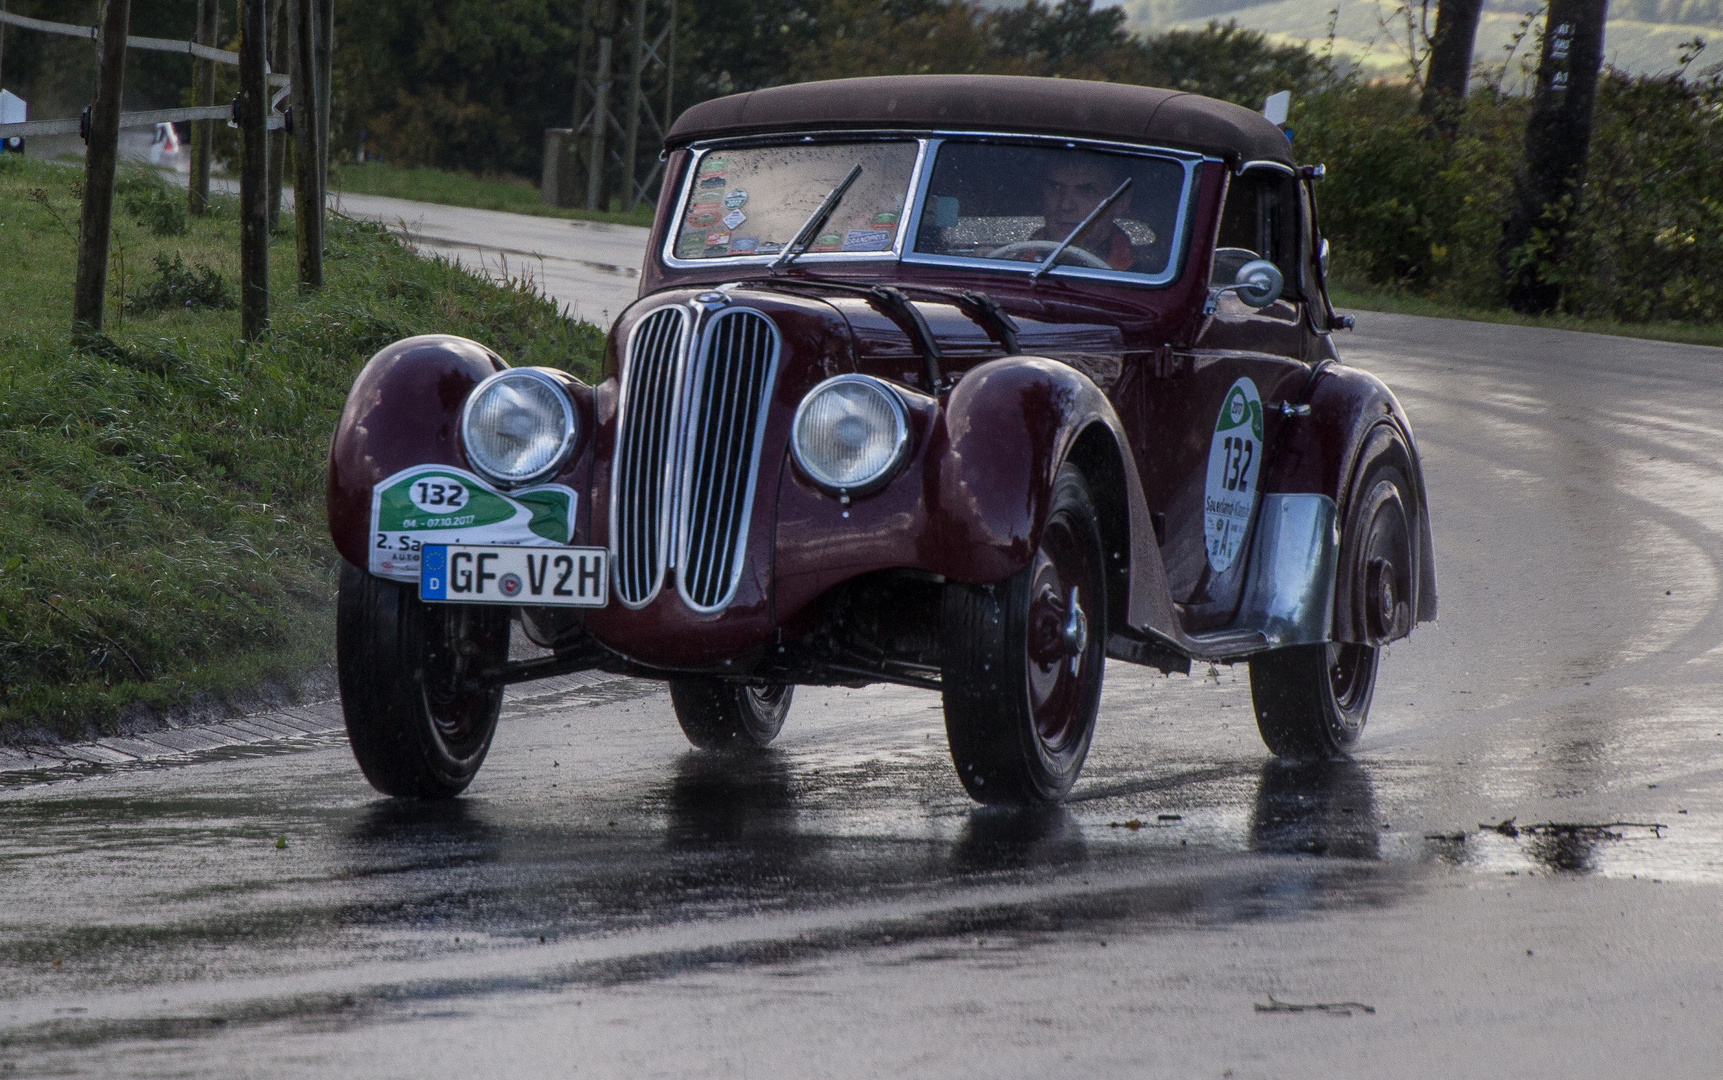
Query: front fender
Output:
(971,503)
(404,410)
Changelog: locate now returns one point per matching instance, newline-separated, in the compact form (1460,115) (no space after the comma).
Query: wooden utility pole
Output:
(307,186)
(1558,137)
(636,71)
(1450,71)
(253,163)
(604,29)
(278,62)
(203,92)
(325,72)
(100,156)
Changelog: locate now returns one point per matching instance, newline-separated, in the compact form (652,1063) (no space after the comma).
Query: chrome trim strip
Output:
(714,551)
(1265,163)
(637,584)
(1294,559)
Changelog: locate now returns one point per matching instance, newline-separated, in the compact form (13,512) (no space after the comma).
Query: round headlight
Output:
(518,426)
(849,432)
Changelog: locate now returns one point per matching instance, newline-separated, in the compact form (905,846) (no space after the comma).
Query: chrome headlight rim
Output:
(900,437)
(570,425)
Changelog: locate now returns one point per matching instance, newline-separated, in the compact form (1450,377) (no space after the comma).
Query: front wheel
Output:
(1023,661)
(1312,700)
(415,725)
(716,715)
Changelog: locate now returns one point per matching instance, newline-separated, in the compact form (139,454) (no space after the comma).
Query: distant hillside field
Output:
(1641,36)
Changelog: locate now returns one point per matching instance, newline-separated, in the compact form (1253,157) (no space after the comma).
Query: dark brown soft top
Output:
(1005,103)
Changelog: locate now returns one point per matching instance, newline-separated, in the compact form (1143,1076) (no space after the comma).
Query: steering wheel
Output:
(1040,249)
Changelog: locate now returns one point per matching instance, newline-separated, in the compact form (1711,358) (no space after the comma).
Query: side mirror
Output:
(1258,283)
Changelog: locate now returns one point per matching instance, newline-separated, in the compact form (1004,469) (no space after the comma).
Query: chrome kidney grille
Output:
(687,454)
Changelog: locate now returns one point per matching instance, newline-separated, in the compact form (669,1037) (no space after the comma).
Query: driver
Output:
(1073,186)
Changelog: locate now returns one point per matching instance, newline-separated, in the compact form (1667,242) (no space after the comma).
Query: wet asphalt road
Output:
(605,902)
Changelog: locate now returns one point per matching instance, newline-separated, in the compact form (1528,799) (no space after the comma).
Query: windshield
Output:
(749,201)
(1016,203)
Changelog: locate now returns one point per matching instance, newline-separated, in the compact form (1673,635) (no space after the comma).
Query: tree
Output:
(1450,69)
(1558,137)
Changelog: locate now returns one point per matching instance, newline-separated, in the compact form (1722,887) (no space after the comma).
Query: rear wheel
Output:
(415,725)
(1312,700)
(1023,661)
(717,715)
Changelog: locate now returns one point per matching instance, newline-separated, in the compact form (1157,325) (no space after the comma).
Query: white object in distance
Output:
(1275,107)
(13,110)
(165,143)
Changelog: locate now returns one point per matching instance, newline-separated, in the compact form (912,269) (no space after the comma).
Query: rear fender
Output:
(1352,416)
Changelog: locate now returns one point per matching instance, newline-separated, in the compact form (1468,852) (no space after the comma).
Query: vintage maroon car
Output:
(960,382)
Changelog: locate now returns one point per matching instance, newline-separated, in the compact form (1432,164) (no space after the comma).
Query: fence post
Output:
(253,158)
(307,194)
(99,160)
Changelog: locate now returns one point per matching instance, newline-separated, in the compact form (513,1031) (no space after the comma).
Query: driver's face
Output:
(1071,189)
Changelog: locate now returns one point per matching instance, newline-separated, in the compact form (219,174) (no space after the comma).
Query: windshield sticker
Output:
(703,219)
(714,165)
(885,217)
(692,243)
(1234,456)
(827,242)
(712,182)
(744,245)
(440,504)
(704,200)
(734,218)
(867,239)
(718,239)
(736,199)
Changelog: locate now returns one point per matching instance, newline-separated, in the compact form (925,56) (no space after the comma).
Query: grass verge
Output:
(163,515)
(1400,304)
(512,194)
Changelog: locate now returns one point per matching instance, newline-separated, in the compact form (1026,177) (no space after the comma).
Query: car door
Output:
(1215,406)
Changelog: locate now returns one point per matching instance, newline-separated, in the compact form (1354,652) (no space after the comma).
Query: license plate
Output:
(487,574)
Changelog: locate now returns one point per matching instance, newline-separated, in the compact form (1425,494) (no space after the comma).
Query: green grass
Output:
(163,510)
(512,194)
(1402,304)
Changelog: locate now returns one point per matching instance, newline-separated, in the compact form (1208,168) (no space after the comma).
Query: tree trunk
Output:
(1444,101)
(278,62)
(88,293)
(1558,137)
(253,169)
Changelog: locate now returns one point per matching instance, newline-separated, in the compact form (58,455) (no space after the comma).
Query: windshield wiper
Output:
(1047,263)
(813,225)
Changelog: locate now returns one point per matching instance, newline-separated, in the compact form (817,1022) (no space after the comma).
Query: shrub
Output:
(177,286)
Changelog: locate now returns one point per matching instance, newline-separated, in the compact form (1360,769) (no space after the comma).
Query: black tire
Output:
(415,732)
(1021,676)
(1312,700)
(717,715)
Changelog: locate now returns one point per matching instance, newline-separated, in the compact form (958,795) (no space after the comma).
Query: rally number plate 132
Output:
(513,574)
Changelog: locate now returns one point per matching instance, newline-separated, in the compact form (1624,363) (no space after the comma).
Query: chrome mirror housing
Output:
(1257,283)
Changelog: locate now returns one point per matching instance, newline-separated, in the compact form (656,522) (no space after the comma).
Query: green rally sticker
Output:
(440,504)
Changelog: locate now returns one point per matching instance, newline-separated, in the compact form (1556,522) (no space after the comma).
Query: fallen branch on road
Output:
(1332,1008)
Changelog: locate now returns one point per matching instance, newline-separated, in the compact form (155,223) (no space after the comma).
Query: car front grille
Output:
(687,453)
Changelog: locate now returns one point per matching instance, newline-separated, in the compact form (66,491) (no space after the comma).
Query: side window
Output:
(1259,221)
